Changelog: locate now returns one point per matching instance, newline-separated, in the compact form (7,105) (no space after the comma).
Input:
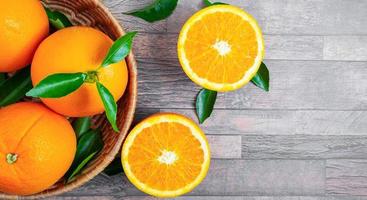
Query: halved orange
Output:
(166,155)
(221,48)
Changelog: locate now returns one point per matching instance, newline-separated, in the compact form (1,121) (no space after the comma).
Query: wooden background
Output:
(304,140)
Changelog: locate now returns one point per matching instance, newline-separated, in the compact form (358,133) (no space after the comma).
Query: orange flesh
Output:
(206,61)
(150,144)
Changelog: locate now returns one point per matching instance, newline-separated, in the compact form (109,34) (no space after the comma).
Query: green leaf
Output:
(160,9)
(109,105)
(89,143)
(15,87)
(114,168)
(57,19)
(79,168)
(120,49)
(205,103)
(81,126)
(209,3)
(2,78)
(261,79)
(58,85)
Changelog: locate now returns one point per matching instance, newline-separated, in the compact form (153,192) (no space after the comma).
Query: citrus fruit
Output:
(23,25)
(37,146)
(79,49)
(166,155)
(221,48)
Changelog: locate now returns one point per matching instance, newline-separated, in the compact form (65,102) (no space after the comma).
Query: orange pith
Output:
(23,25)
(79,49)
(221,47)
(42,144)
(166,155)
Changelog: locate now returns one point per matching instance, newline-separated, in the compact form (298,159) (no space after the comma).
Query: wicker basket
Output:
(94,14)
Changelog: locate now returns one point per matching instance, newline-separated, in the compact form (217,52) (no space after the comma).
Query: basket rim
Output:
(131,101)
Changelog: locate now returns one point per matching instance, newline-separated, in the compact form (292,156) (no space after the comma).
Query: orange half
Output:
(221,48)
(166,155)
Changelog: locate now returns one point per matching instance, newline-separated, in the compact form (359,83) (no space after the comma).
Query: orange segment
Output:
(221,48)
(166,155)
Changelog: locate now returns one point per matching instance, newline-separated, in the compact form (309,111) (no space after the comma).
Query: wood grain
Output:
(346,177)
(345,48)
(256,198)
(104,185)
(234,177)
(215,198)
(259,177)
(130,23)
(304,147)
(276,122)
(331,85)
(225,147)
(307,17)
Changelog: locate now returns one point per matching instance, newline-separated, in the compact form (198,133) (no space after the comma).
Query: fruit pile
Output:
(53,73)
(76,72)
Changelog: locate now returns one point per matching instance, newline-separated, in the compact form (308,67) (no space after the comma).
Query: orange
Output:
(37,146)
(23,25)
(166,155)
(221,48)
(79,49)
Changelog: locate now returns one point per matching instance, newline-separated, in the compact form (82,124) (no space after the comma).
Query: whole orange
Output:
(37,147)
(79,49)
(23,25)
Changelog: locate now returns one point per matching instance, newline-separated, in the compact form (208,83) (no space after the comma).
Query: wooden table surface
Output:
(304,140)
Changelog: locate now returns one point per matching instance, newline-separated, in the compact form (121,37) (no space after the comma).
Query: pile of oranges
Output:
(37,142)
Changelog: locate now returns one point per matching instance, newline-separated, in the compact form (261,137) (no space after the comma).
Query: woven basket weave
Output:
(94,14)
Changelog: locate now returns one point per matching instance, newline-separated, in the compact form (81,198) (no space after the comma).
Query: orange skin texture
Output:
(23,25)
(45,144)
(79,49)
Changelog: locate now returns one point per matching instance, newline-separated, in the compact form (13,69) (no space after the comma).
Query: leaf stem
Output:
(11,158)
(92,77)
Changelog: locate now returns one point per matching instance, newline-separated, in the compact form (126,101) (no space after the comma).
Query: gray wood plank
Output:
(225,147)
(293,47)
(87,198)
(275,122)
(104,185)
(294,85)
(130,23)
(311,17)
(216,198)
(346,177)
(148,45)
(233,177)
(304,147)
(263,177)
(345,48)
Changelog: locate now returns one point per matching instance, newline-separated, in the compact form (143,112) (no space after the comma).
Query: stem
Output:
(92,77)
(11,158)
